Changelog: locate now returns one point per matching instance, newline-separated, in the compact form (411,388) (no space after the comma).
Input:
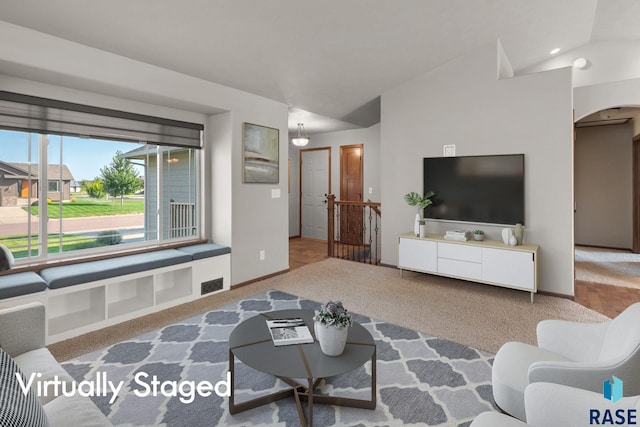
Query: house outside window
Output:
(131,193)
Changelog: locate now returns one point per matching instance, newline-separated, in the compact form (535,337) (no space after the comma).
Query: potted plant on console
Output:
(421,202)
(478,235)
(331,326)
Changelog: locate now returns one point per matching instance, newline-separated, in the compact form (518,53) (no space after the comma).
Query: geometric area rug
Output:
(421,380)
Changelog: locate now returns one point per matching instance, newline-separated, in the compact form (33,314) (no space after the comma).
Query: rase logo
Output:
(612,390)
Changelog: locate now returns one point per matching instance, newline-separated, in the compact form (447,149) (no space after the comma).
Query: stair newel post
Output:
(330,222)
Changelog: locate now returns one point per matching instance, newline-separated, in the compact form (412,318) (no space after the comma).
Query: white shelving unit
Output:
(82,308)
(490,261)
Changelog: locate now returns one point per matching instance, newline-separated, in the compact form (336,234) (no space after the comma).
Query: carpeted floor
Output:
(607,266)
(421,379)
(479,316)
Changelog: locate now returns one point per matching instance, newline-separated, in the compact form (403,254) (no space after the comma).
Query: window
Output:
(131,193)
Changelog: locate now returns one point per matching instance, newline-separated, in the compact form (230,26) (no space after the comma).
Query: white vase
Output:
(506,235)
(332,339)
(416,225)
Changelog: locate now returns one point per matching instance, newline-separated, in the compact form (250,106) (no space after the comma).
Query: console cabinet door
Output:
(508,267)
(419,255)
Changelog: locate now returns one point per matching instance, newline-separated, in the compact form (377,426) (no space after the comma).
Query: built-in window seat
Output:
(19,284)
(86,296)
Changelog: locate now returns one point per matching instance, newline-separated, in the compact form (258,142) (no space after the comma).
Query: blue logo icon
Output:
(612,389)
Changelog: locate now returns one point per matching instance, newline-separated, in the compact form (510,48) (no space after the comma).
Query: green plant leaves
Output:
(415,199)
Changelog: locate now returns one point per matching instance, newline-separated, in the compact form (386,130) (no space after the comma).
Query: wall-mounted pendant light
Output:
(301,139)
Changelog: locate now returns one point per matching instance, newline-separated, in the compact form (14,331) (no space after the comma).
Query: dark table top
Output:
(251,343)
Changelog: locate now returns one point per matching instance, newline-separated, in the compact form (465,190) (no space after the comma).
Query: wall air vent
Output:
(211,286)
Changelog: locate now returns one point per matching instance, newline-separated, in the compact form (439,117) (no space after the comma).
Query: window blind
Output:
(42,115)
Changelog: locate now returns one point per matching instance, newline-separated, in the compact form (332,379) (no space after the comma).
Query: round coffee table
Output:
(251,343)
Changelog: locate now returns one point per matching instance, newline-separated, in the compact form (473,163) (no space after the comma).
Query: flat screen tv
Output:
(481,189)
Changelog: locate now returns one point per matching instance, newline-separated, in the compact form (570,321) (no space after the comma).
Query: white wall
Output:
(606,62)
(463,103)
(603,186)
(244,216)
(294,193)
(590,99)
(369,138)
(611,78)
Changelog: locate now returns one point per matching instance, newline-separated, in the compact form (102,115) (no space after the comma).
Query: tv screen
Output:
(485,189)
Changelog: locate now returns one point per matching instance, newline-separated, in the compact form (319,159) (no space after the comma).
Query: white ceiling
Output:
(329,60)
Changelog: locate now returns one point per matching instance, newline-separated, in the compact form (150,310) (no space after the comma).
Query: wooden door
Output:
(314,185)
(24,189)
(351,217)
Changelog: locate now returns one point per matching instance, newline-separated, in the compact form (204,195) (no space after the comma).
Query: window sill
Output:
(37,266)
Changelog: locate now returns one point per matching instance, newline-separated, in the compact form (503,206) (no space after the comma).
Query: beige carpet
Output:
(608,266)
(477,315)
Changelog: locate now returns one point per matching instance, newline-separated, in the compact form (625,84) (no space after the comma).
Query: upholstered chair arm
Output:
(558,405)
(587,376)
(580,342)
(22,328)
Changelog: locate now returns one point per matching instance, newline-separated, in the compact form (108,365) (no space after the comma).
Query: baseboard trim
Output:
(630,250)
(554,294)
(388,265)
(257,279)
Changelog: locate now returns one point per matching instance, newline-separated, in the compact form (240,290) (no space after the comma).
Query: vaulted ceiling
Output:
(329,60)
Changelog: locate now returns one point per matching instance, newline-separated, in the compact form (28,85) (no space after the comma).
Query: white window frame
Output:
(43,226)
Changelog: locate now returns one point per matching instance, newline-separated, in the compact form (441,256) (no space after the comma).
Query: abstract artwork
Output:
(260,154)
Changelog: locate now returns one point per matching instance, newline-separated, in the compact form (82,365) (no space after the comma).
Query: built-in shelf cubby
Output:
(76,309)
(129,296)
(172,285)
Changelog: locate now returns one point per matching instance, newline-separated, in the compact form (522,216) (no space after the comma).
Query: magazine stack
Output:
(289,331)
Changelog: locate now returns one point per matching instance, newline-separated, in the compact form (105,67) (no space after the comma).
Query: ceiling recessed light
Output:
(554,51)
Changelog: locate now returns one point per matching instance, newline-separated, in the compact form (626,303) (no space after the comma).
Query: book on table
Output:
(457,235)
(289,331)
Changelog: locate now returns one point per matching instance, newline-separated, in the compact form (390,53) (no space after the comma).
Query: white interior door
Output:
(314,186)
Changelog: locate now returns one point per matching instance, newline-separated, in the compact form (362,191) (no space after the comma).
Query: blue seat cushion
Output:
(13,285)
(69,275)
(205,250)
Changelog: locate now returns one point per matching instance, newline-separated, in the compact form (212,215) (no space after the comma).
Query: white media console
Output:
(489,261)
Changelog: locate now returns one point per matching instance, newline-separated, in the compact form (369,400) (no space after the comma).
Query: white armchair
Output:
(550,405)
(575,354)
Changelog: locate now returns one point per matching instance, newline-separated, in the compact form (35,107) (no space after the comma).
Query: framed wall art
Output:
(260,154)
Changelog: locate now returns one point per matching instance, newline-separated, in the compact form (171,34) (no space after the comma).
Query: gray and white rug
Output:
(422,380)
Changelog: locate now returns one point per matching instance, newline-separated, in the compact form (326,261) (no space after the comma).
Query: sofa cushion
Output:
(69,275)
(16,407)
(41,362)
(205,250)
(14,285)
(75,411)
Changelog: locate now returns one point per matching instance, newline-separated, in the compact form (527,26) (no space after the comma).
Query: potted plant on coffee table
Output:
(331,326)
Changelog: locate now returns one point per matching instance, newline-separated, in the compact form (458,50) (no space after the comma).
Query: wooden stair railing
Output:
(353,230)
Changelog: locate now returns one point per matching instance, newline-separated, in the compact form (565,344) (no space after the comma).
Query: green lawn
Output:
(91,207)
(18,245)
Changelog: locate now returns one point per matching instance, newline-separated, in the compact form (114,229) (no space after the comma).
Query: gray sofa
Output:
(22,336)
